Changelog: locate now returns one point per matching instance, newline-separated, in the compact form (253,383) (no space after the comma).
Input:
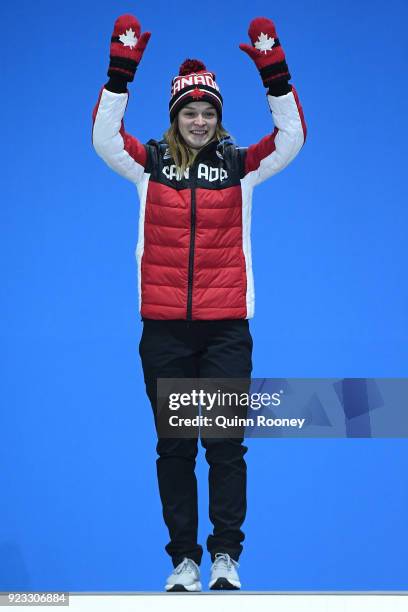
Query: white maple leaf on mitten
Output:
(264,43)
(129,39)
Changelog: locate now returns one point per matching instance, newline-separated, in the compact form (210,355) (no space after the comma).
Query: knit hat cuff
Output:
(195,94)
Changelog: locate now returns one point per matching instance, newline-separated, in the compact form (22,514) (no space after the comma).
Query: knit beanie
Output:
(194,83)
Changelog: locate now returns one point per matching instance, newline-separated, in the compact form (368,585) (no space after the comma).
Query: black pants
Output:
(206,349)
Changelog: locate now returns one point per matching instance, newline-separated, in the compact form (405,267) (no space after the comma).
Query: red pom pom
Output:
(191,65)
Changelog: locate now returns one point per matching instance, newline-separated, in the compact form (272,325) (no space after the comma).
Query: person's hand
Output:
(127,47)
(266,51)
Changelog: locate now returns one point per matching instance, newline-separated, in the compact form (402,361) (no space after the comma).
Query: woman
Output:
(196,290)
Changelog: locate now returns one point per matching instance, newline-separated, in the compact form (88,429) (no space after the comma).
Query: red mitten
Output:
(127,47)
(266,51)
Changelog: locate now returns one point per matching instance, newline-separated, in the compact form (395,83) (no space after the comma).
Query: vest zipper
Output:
(191,253)
(193,178)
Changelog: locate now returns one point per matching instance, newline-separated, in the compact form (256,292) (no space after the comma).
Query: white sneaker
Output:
(185,577)
(224,576)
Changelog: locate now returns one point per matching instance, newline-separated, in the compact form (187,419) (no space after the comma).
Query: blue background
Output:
(79,502)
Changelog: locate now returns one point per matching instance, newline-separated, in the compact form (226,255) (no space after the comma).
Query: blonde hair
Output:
(184,156)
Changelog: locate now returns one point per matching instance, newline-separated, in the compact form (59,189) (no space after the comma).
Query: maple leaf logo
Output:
(197,93)
(264,43)
(129,39)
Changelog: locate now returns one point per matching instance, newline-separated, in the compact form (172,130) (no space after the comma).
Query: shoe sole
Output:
(181,588)
(222,584)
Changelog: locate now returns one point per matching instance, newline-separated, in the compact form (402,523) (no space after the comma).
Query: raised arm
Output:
(121,151)
(275,151)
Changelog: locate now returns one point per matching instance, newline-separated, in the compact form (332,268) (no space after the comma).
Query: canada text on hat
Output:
(204,78)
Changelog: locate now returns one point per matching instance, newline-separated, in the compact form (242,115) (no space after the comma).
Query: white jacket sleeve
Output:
(275,151)
(121,151)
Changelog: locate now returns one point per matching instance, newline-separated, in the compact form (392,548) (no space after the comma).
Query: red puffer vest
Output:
(191,250)
(194,247)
